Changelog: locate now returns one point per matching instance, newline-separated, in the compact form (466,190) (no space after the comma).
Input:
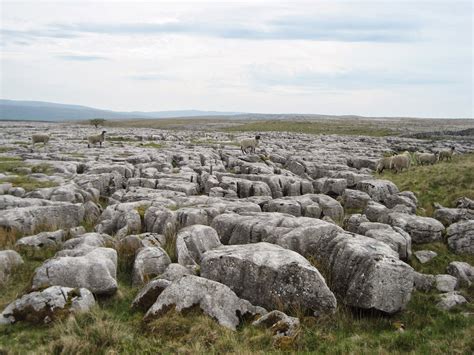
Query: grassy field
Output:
(443,182)
(20,178)
(314,127)
(328,126)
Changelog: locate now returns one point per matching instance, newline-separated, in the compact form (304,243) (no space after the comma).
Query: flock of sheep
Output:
(403,161)
(44,138)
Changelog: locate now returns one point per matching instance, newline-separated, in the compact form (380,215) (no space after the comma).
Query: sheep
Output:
(400,162)
(446,154)
(427,158)
(251,143)
(384,163)
(96,139)
(40,138)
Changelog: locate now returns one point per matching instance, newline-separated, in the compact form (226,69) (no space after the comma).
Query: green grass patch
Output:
(443,182)
(154,145)
(438,264)
(314,127)
(121,139)
(213,142)
(28,183)
(43,168)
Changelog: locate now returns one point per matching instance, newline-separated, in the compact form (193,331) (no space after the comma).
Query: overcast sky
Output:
(379,58)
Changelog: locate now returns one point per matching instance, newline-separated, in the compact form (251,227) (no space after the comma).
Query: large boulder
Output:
(368,273)
(364,272)
(193,241)
(94,269)
(421,229)
(461,237)
(268,275)
(29,220)
(47,305)
(214,299)
(9,260)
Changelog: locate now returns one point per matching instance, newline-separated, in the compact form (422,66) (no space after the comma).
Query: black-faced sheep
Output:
(96,139)
(446,154)
(251,143)
(384,163)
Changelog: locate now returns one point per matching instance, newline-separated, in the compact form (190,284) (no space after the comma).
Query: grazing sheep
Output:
(251,143)
(384,163)
(400,162)
(96,139)
(427,158)
(446,154)
(40,138)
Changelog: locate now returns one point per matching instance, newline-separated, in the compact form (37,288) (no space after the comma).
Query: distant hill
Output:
(47,111)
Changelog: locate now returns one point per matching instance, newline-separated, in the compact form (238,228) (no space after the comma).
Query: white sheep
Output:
(446,154)
(40,138)
(251,143)
(427,158)
(400,162)
(384,163)
(96,139)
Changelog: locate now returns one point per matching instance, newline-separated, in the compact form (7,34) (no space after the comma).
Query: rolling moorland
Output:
(169,239)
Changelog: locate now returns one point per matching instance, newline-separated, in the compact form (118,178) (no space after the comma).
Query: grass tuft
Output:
(443,182)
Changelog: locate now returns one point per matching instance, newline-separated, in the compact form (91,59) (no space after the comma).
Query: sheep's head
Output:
(257,137)
(452,148)
(104,132)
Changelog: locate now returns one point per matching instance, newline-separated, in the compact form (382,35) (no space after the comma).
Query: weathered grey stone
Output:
(214,299)
(400,242)
(281,324)
(47,305)
(450,300)
(448,216)
(352,223)
(193,241)
(9,260)
(424,256)
(421,229)
(446,283)
(424,282)
(148,294)
(29,220)
(369,272)
(130,244)
(376,212)
(42,240)
(464,272)
(354,199)
(149,262)
(378,190)
(175,271)
(268,275)
(95,270)
(398,199)
(461,237)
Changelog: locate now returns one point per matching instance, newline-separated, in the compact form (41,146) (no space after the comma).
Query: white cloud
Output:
(369,58)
